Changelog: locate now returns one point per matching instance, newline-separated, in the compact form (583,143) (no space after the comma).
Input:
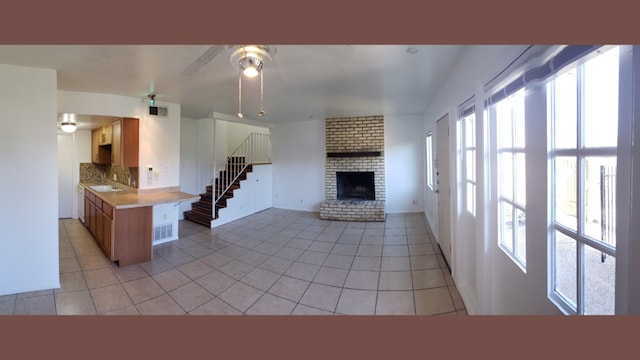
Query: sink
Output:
(104,188)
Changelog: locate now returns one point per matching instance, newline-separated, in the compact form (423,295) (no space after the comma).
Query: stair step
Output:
(203,211)
(198,218)
(202,208)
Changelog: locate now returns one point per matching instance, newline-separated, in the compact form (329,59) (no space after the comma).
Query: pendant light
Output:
(250,60)
(68,124)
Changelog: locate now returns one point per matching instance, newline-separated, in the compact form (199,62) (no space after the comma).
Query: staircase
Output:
(255,149)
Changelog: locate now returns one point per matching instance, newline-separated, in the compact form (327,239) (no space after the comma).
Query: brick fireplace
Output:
(355,147)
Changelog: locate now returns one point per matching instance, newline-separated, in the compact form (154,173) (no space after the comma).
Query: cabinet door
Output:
(116,143)
(92,218)
(107,239)
(95,146)
(107,223)
(106,135)
(86,210)
(263,189)
(129,142)
(99,154)
(98,221)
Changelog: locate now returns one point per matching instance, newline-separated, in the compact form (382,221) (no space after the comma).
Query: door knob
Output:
(437,191)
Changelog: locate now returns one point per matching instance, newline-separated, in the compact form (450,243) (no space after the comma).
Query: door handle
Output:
(437,191)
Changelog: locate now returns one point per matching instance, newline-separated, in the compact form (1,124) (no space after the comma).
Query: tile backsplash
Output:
(90,172)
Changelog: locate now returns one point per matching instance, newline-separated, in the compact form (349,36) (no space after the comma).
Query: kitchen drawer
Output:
(107,209)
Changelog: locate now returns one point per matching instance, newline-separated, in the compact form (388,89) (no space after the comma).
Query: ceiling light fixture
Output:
(67,124)
(250,66)
(152,99)
(250,60)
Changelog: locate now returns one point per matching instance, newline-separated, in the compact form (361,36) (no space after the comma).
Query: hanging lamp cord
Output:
(240,94)
(261,113)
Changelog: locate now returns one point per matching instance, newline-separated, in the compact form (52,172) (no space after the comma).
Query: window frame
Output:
(580,153)
(499,199)
(429,160)
(468,179)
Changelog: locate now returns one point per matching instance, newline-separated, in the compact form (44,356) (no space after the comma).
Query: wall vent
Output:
(158,111)
(162,232)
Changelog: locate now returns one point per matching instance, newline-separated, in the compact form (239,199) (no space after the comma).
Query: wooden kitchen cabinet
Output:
(107,229)
(99,229)
(105,135)
(125,142)
(124,235)
(100,154)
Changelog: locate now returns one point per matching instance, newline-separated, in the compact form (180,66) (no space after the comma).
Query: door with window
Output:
(583,108)
(443,187)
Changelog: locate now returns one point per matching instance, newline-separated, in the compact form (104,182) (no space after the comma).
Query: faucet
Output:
(101,177)
(114,185)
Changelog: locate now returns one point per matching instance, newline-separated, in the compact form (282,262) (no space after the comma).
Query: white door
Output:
(263,189)
(443,187)
(66,188)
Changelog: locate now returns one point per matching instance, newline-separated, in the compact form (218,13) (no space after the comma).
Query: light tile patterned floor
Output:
(276,262)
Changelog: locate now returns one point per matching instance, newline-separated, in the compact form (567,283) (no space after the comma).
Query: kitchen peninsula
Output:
(121,219)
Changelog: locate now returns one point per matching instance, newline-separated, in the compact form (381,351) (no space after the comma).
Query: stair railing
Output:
(255,149)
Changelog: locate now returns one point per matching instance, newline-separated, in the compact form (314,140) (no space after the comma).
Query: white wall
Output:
(188,161)
(404,163)
(298,153)
(230,134)
(159,136)
(238,132)
(488,280)
(29,206)
(66,187)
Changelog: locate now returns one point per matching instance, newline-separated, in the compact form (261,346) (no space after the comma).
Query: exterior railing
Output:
(608,206)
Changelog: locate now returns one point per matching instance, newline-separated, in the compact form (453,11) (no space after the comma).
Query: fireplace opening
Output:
(355,185)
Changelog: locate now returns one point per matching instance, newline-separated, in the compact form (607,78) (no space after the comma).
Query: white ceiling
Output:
(301,82)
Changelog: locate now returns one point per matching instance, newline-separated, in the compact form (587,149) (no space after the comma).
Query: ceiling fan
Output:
(249,60)
(338,53)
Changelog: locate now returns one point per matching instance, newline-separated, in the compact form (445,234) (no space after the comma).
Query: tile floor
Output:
(276,262)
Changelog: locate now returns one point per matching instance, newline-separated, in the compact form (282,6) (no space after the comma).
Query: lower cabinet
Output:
(107,230)
(125,235)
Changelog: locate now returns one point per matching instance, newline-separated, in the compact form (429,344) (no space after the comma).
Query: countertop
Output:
(130,197)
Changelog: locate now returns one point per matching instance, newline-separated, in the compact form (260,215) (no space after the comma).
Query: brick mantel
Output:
(354,144)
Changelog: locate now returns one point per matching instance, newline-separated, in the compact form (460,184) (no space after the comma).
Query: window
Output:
(467,140)
(429,149)
(583,128)
(511,176)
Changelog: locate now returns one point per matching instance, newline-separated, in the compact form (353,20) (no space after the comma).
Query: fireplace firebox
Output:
(355,185)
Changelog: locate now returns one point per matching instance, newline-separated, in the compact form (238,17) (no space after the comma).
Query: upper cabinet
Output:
(116,143)
(105,137)
(125,142)
(99,154)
